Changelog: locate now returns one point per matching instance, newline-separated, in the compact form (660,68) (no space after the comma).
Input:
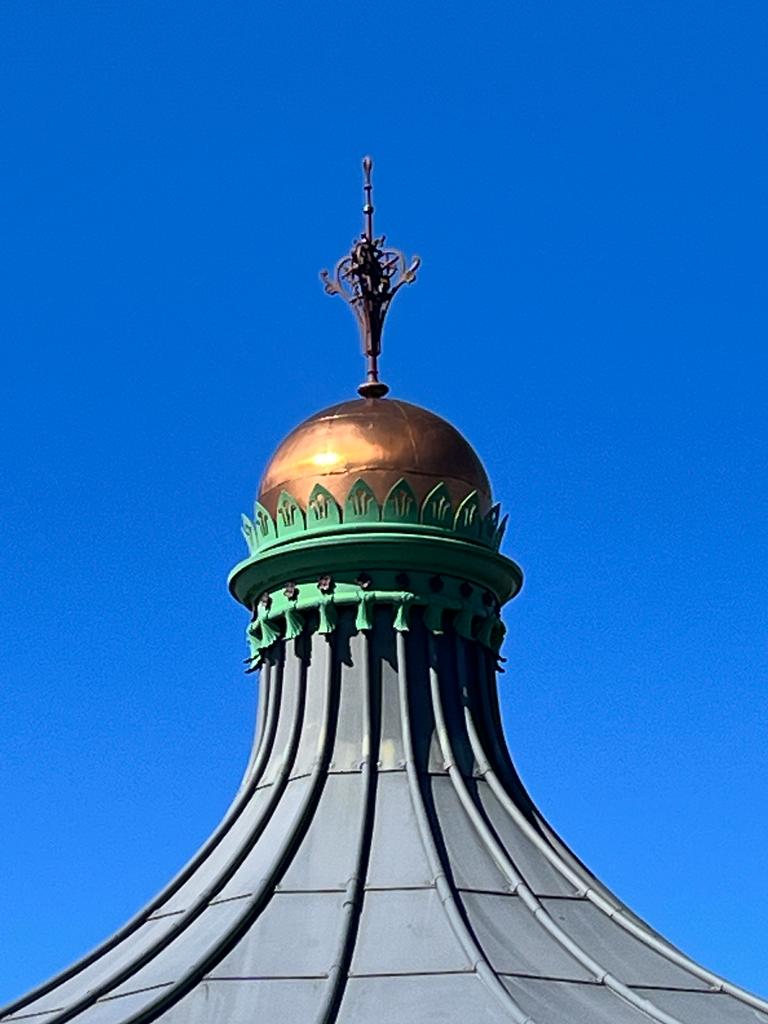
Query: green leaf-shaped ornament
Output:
(322,509)
(289,516)
(467,519)
(400,505)
(436,509)
(361,505)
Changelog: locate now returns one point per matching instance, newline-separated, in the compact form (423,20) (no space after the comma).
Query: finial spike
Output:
(368,203)
(368,279)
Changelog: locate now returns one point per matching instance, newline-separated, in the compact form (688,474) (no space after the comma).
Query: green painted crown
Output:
(323,514)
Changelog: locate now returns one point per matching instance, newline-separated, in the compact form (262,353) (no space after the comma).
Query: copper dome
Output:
(381,440)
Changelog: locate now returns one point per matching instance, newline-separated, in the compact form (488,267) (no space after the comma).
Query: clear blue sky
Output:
(586,185)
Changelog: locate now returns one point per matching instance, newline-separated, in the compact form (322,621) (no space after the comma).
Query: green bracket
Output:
(294,622)
(486,631)
(364,617)
(328,614)
(403,604)
(261,633)
(434,614)
(253,636)
(283,611)
(498,633)
(462,623)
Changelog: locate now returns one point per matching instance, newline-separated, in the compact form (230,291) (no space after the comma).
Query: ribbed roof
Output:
(382,861)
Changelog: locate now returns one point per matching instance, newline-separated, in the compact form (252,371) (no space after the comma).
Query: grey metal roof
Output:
(382,860)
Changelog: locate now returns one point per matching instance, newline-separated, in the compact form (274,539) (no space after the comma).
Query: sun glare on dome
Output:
(326,459)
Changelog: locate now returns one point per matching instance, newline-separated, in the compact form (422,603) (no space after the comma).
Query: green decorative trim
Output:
(436,509)
(400,505)
(489,526)
(467,519)
(455,574)
(322,509)
(281,613)
(290,519)
(499,534)
(416,548)
(361,505)
(401,509)
(248,530)
(264,525)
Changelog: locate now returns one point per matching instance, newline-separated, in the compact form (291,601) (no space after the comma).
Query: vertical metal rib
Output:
(517,883)
(444,888)
(578,876)
(213,888)
(283,857)
(355,890)
(271,683)
(259,725)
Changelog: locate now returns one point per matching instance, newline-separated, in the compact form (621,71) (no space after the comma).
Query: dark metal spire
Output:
(368,278)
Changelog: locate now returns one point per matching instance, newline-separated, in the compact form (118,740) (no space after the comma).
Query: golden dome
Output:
(381,440)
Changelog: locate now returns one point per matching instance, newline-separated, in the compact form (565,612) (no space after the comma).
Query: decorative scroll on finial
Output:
(368,279)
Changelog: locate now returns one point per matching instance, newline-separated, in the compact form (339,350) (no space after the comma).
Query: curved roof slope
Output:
(383,861)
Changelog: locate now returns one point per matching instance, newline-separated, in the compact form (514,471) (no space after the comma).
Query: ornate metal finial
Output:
(368,279)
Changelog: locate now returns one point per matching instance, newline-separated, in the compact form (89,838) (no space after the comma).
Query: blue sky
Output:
(585,184)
